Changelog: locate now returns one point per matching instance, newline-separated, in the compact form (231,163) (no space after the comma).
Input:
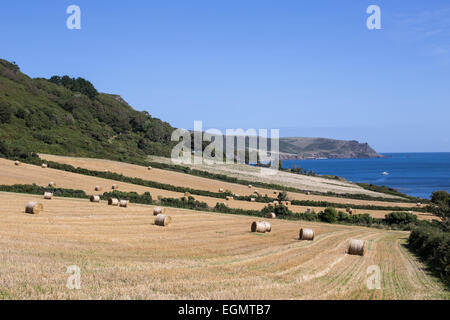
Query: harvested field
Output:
(183,180)
(27,174)
(123,255)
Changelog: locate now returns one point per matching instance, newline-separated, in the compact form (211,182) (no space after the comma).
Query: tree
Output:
(5,112)
(441,207)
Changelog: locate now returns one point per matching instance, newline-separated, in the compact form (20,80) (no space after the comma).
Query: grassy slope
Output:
(45,117)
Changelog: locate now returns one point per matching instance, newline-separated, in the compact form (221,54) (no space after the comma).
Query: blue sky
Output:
(308,68)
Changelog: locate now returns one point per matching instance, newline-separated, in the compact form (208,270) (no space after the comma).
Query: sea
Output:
(415,174)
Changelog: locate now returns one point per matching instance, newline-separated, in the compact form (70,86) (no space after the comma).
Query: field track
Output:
(123,255)
(28,174)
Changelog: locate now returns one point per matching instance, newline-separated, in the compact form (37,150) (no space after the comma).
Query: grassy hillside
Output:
(328,148)
(68,116)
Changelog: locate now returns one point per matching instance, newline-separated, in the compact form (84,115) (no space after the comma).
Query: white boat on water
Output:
(385,173)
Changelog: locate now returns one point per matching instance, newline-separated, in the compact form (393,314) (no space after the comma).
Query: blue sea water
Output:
(416,174)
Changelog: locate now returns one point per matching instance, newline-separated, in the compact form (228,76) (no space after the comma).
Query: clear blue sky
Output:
(308,68)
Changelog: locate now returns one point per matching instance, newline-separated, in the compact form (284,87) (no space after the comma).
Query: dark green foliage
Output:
(387,190)
(190,203)
(401,218)
(5,112)
(35,189)
(133,197)
(433,245)
(77,85)
(329,215)
(282,196)
(69,117)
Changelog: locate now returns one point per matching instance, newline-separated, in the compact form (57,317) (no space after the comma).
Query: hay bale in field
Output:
(271,215)
(158,210)
(95,198)
(34,207)
(308,210)
(48,195)
(52,184)
(113,202)
(306,234)
(288,203)
(44,165)
(149,168)
(256,191)
(259,227)
(124,203)
(419,204)
(17,163)
(268,226)
(308,193)
(250,186)
(229,198)
(349,210)
(356,247)
(252,199)
(221,190)
(115,187)
(162,220)
(98,188)
(275,203)
(187,194)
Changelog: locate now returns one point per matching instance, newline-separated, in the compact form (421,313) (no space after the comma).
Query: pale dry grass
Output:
(27,174)
(200,183)
(123,255)
(302,182)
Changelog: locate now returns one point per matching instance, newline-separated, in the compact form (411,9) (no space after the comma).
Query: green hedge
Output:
(432,244)
(35,189)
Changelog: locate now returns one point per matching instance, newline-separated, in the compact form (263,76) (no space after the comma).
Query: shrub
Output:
(329,215)
(400,218)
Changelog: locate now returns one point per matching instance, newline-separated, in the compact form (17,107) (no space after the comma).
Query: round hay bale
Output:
(187,194)
(95,199)
(123,203)
(98,188)
(356,247)
(149,168)
(158,210)
(270,205)
(44,165)
(256,191)
(268,226)
(162,220)
(419,204)
(229,198)
(349,210)
(34,208)
(259,227)
(308,210)
(250,186)
(17,163)
(271,215)
(275,203)
(221,190)
(252,199)
(113,202)
(48,195)
(115,187)
(288,203)
(306,234)
(308,193)
(52,184)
